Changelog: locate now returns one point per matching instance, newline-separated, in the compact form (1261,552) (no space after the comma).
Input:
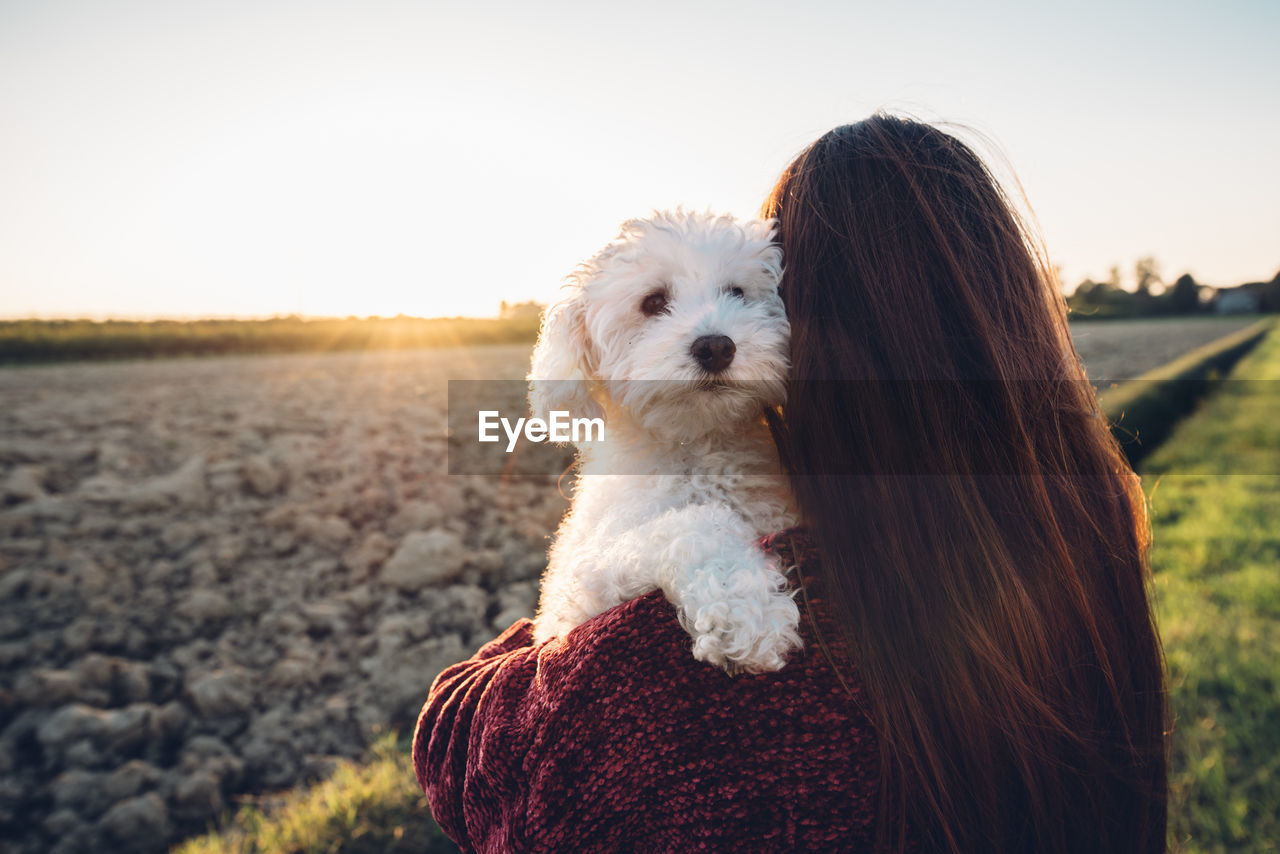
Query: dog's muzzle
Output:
(713,353)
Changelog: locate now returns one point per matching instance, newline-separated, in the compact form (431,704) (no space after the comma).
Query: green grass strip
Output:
(1216,557)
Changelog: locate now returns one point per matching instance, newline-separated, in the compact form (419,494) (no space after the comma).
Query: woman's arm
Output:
(473,710)
(551,746)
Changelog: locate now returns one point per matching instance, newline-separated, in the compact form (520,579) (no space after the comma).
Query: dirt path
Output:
(1116,350)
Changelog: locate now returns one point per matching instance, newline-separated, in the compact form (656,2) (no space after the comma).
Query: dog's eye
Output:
(735,291)
(654,303)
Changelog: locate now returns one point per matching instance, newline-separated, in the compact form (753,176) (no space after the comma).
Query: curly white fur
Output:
(688,476)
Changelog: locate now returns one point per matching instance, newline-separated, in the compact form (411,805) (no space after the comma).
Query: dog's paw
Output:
(745,635)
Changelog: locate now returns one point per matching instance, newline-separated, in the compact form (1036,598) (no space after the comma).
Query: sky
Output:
(257,157)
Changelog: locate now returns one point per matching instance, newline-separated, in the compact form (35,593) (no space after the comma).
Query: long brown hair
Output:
(984,541)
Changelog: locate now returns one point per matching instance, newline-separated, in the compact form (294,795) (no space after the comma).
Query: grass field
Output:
(1217,580)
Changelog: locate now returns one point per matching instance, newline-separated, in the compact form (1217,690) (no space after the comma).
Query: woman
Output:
(981,668)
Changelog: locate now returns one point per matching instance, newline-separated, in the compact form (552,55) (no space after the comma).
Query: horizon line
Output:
(196,318)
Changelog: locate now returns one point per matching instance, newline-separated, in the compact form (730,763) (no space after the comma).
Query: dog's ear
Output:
(564,360)
(764,230)
(763,234)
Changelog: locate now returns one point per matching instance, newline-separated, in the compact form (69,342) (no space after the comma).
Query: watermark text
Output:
(558,427)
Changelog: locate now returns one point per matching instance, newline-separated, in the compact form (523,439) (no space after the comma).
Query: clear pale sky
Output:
(255,158)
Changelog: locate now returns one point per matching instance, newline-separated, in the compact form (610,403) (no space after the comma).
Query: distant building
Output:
(1244,299)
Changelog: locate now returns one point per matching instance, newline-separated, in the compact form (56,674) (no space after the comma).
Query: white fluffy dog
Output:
(675,334)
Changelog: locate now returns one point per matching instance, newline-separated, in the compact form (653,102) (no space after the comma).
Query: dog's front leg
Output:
(598,561)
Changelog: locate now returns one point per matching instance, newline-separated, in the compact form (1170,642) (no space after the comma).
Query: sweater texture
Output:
(614,738)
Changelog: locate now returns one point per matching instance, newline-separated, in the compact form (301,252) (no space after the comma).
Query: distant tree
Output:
(1184,298)
(1102,299)
(1271,294)
(1087,294)
(1146,272)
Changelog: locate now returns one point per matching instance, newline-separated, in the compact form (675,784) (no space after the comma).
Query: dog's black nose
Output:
(713,352)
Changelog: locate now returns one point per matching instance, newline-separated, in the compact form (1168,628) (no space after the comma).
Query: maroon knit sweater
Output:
(614,738)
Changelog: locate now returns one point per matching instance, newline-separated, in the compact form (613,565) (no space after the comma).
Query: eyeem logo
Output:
(558,428)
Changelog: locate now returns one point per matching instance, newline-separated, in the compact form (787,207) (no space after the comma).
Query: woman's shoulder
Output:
(638,653)
(631,668)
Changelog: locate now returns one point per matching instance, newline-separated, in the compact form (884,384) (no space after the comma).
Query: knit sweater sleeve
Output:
(615,738)
(510,741)
(474,731)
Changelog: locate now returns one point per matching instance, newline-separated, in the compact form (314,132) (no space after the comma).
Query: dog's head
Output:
(678,321)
